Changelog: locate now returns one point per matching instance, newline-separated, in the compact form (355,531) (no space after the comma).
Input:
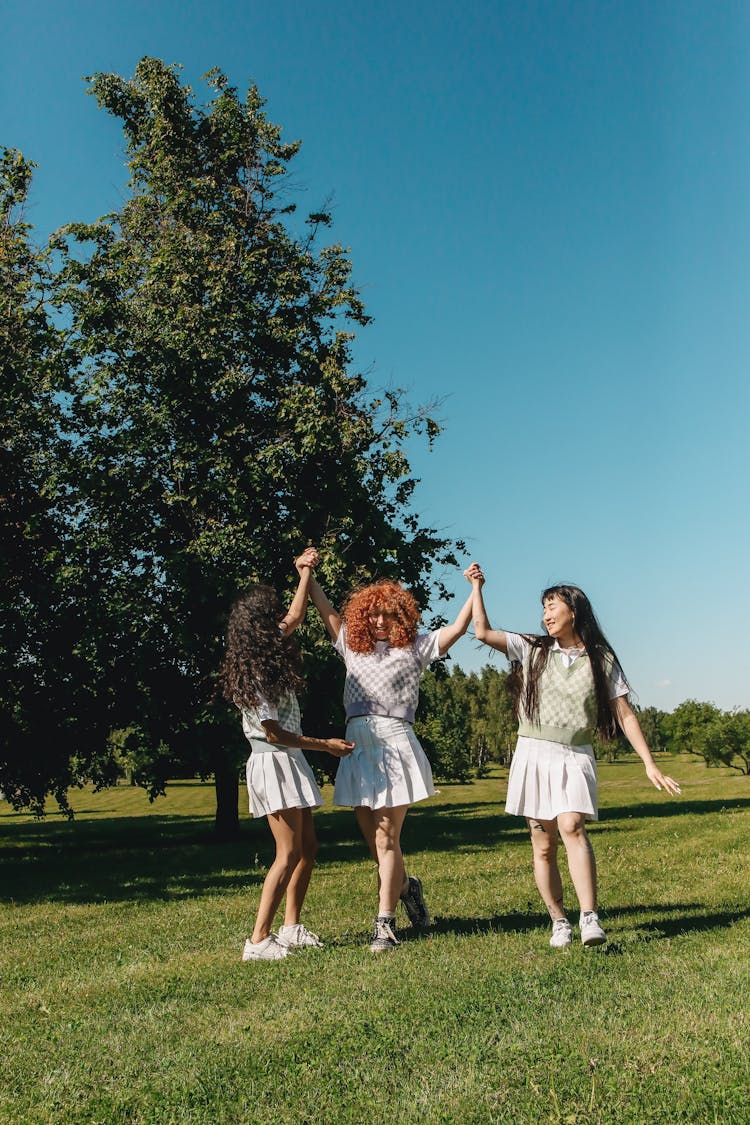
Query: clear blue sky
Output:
(547,208)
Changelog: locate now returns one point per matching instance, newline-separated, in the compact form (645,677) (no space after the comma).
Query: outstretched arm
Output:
(330,616)
(631,728)
(495,638)
(279,736)
(449,634)
(295,615)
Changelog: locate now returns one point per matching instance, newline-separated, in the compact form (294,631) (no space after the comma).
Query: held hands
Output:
(661,781)
(309,558)
(474,574)
(339,747)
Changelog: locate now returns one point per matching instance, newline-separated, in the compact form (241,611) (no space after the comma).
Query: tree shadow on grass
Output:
(127,859)
(164,857)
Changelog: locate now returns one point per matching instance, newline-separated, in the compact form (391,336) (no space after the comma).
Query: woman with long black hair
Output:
(567,684)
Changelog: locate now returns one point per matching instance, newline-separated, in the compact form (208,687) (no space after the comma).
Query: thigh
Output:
(543,830)
(388,823)
(309,838)
(287,828)
(366,821)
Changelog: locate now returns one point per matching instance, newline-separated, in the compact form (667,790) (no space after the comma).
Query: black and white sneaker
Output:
(415,905)
(384,934)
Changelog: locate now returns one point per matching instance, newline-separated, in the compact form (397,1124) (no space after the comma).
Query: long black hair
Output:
(525,689)
(259,659)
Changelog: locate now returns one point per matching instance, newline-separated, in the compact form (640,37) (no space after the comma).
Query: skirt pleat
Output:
(280,779)
(387,768)
(549,778)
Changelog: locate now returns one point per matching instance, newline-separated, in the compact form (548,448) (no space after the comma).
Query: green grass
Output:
(123,998)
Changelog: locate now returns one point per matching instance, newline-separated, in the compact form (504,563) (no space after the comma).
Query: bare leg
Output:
(381,829)
(581,861)
(366,821)
(300,880)
(391,873)
(546,871)
(286,826)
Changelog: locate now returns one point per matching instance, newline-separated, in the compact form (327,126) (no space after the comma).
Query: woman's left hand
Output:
(309,558)
(662,781)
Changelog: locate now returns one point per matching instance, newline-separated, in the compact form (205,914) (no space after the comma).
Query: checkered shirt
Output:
(286,713)
(386,681)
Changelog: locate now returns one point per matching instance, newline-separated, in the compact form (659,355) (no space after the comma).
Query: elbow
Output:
(480,632)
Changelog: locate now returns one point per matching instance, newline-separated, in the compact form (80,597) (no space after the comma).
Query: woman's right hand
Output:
(339,747)
(474,573)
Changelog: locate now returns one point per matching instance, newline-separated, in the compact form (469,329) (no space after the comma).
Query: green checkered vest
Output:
(567,700)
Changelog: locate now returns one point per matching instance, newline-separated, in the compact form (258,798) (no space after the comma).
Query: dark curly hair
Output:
(259,659)
(389,597)
(525,689)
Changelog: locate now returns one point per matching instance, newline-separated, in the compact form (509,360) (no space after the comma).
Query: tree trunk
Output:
(227,822)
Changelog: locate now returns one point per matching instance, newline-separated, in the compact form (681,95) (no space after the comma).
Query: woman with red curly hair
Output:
(377,636)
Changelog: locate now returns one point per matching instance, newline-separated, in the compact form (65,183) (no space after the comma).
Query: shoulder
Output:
(426,646)
(518,645)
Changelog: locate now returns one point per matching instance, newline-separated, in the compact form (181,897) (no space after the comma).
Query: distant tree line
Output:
(465,722)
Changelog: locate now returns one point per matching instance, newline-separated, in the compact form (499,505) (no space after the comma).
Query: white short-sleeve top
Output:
(386,681)
(518,648)
(286,713)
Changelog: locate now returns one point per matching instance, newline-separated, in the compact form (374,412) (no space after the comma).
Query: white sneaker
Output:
(297,936)
(591,931)
(562,933)
(267,950)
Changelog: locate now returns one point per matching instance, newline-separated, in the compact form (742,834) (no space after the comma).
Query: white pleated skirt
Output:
(387,768)
(549,778)
(279,779)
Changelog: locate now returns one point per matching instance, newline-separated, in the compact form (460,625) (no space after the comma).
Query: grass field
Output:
(124,999)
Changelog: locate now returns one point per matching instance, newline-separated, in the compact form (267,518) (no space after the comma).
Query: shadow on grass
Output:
(175,857)
(673,806)
(692,917)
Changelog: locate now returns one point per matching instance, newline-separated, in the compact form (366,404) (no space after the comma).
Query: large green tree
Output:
(53,718)
(220,427)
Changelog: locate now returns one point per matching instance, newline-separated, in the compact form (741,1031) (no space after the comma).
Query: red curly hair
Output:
(389,597)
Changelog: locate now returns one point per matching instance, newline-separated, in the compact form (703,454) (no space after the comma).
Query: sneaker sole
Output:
(591,943)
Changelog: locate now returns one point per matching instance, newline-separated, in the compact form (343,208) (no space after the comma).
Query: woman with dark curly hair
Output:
(377,637)
(261,673)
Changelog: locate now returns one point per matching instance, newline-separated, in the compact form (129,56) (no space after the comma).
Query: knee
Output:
(544,844)
(289,858)
(385,843)
(573,830)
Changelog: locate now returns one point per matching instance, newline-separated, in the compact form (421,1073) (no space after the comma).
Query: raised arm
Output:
(631,728)
(495,638)
(295,615)
(449,634)
(330,616)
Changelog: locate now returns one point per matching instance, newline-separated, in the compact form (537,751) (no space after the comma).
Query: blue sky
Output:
(547,209)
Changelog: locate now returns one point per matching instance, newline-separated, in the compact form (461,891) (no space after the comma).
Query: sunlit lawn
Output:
(124,999)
